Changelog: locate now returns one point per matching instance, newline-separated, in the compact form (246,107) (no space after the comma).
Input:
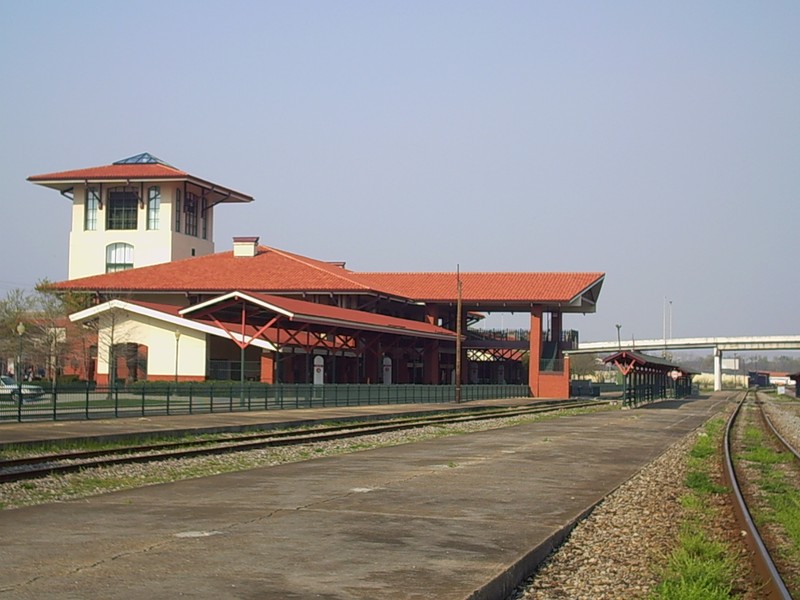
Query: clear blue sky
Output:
(656,142)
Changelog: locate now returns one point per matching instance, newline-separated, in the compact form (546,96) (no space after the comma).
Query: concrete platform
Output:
(452,518)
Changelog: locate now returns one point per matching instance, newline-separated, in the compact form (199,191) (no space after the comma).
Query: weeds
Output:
(700,567)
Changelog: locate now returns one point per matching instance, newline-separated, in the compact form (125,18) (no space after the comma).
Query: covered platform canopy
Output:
(410,318)
(313,327)
(283,326)
(648,378)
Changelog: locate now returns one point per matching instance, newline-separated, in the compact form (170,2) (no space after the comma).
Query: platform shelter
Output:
(796,378)
(649,378)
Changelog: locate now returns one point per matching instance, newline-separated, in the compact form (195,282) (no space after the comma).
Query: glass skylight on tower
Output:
(145,158)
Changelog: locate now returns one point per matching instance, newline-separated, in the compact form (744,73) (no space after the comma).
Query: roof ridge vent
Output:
(245,246)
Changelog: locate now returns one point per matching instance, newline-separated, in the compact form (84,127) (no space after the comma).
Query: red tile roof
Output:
(270,270)
(63,180)
(117,172)
(276,271)
(325,314)
(485,287)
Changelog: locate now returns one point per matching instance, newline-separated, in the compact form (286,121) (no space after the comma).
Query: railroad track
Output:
(775,586)
(33,467)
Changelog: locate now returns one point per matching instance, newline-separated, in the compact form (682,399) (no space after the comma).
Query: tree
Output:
(583,366)
(68,343)
(15,308)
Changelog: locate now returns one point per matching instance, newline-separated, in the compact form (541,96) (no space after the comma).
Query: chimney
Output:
(245,246)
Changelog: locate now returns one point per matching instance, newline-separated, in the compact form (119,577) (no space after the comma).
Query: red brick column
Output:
(535,352)
(431,363)
(267,368)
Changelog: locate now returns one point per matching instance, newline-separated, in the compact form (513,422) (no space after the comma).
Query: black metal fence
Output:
(155,399)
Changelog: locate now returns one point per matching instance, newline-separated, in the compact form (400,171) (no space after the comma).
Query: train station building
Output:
(166,306)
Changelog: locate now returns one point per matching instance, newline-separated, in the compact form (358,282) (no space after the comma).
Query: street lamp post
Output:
(18,369)
(177,347)
(619,340)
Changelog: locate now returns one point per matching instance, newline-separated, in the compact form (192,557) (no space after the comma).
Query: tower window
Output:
(177,211)
(121,208)
(190,210)
(90,209)
(119,257)
(153,206)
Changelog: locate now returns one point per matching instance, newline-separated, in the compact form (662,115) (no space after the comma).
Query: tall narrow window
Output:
(177,211)
(153,206)
(122,208)
(90,212)
(119,257)
(204,218)
(190,209)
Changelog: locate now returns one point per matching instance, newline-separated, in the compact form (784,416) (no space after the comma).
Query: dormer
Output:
(136,212)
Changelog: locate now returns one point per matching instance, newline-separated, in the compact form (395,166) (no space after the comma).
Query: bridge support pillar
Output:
(717,369)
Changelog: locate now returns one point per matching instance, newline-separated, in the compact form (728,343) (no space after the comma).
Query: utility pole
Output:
(458,334)
(664,326)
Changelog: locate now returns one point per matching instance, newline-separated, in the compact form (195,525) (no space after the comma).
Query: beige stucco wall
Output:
(87,249)
(119,326)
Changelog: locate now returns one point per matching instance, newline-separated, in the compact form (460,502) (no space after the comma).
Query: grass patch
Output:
(781,507)
(700,567)
(701,483)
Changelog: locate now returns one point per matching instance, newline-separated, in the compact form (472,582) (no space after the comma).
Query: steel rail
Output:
(277,432)
(43,466)
(775,588)
(786,443)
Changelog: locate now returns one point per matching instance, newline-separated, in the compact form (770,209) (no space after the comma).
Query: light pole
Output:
(177,347)
(619,341)
(18,368)
(670,319)
(664,326)
(458,334)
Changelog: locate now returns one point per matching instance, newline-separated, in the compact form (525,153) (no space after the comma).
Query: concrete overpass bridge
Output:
(719,345)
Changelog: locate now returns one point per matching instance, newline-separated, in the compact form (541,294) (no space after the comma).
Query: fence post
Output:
(190,398)
(168,391)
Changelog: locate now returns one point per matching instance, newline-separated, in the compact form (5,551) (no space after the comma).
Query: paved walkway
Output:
(452,518)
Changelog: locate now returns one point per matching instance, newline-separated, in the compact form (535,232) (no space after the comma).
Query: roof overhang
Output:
(309,313)
(117,175)
(167,319)
(586,300)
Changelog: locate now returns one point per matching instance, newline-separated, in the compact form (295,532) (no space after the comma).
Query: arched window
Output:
(153,206)
(119,257)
